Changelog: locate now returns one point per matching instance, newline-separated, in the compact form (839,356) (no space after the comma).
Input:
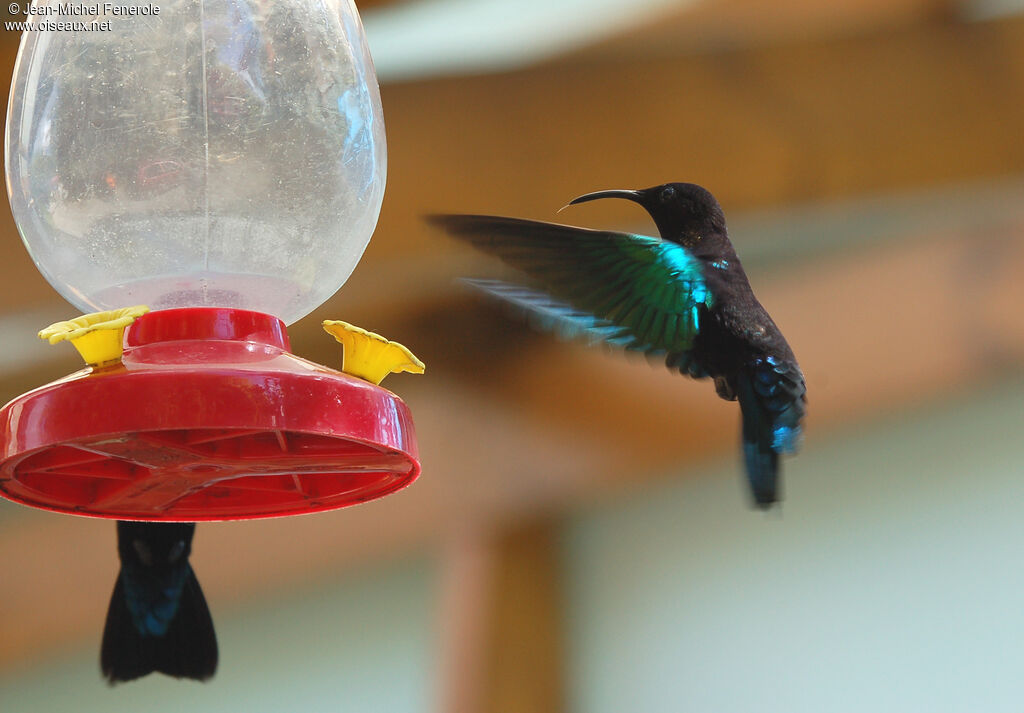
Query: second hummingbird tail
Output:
(188,648)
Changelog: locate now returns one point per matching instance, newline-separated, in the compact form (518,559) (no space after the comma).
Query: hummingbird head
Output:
(685,213)
(154,545)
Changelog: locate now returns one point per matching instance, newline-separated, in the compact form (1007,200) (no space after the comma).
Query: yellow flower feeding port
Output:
(96,336)
(370,356)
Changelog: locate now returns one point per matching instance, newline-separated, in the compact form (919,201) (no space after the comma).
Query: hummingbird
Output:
(158,619)
(683,297)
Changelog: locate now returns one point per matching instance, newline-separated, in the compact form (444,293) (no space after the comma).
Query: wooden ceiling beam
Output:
(769,126)
(721,25)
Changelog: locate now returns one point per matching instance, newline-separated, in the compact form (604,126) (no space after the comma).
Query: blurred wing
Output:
(543,311)
(631,290)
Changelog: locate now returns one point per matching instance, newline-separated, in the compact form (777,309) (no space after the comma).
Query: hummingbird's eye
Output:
(176,552)
(142,550)
(667,194)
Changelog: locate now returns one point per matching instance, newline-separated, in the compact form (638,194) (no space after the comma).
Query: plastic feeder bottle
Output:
(221,162)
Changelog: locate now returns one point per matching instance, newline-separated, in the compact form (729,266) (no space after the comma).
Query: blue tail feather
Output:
(762,472)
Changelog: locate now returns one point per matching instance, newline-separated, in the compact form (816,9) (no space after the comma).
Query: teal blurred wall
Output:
(892,580)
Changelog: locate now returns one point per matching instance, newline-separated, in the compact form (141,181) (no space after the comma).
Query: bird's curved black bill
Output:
(635,196)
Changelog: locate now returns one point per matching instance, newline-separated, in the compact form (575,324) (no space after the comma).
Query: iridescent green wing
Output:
(631,290)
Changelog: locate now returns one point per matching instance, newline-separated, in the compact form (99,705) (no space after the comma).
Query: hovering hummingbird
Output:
(158,619)
(684,297)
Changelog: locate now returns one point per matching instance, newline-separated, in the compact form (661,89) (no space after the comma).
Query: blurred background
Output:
(580,538)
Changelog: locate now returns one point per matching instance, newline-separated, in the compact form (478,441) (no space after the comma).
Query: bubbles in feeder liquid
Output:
(223,152)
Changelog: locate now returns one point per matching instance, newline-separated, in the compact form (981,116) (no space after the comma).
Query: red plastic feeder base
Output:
(207,417)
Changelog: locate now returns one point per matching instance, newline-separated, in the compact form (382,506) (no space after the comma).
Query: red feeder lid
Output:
(207,416)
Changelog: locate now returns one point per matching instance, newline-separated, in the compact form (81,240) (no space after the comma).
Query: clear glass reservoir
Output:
(226,153)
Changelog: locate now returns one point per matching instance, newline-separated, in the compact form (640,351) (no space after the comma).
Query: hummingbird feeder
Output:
(221,162)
